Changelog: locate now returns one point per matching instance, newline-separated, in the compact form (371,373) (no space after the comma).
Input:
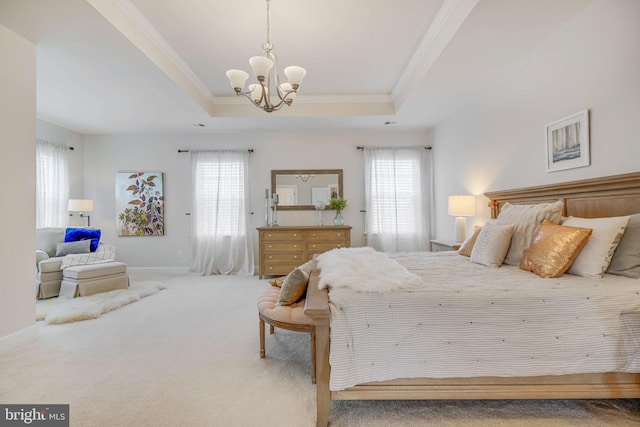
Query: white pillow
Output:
(596,255)
(526,220)
(492,245)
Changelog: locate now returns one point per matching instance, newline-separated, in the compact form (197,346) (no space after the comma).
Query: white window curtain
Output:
(398,198)
(220,238)
(52,185)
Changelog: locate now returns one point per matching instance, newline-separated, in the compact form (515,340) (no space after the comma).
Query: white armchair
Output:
(49,267)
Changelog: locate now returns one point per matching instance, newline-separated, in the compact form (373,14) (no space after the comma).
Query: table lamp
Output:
(461,207)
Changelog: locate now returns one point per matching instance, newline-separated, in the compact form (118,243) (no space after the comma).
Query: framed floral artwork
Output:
(139,204)
(568,142)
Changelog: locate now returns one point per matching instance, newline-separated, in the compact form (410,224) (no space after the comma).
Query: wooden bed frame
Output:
(600,197)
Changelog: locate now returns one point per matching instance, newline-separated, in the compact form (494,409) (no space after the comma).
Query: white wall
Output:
(498,140)
(106,155)
(17,173)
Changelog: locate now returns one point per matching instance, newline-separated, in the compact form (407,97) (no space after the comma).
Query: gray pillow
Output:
(294,287)
(79,247)
(626,259)
(526,220)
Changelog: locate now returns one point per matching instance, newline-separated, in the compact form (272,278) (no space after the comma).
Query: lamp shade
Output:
(286,87)
(295,75)
(257,93)
(237,78)
(462,205)
(80,205)
(260,66)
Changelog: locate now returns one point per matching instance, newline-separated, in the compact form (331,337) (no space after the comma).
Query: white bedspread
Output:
(469,320)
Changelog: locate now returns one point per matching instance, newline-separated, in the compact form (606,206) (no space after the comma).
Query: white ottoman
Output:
(89,279)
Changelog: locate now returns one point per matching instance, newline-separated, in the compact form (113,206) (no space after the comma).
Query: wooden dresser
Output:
(285,247)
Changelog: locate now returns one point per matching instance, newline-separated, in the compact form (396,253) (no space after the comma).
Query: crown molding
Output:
(127,19)
(446,23)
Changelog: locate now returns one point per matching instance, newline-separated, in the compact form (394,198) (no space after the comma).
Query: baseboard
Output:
(19,339)
(171,271)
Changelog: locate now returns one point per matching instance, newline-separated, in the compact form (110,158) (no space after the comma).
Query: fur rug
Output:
(364,270)
(62,310)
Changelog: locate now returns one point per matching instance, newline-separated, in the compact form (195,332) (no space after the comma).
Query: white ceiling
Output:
(158,66)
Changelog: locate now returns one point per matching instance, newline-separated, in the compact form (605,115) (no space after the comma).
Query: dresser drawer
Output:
(326,235)
(279,269)
(282,247)
(280,236)
(284,257)
(316,248)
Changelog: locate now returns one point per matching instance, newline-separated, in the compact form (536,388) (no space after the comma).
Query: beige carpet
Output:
(188,356)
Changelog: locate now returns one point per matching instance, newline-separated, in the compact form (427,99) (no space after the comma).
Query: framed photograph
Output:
(568,142)
(139,204)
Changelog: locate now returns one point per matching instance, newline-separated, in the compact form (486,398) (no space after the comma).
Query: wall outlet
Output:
(179,254)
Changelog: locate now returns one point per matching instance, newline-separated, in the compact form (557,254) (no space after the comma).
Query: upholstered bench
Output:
(89,279)
(289,317)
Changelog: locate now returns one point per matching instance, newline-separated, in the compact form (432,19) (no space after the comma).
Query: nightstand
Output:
(444,245)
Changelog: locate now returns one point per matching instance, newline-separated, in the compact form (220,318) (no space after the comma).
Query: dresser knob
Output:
(270,257)
(338,234)
(295,246)
(295,257)
(270,268)
(270,246)
(314,234)
(295,235)
(314,246)
(269,234)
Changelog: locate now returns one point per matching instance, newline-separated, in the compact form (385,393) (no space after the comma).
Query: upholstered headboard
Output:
(590,198)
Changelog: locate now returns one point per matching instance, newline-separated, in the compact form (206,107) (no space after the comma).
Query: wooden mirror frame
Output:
(275,173)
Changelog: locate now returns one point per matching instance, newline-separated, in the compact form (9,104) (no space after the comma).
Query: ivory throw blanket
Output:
(364,270)
(468,320)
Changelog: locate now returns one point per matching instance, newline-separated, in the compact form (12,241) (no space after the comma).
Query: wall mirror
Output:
(301,189)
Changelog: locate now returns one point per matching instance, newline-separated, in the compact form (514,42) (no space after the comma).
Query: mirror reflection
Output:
(303,189)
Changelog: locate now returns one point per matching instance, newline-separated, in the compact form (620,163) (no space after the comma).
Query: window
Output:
(221,244)
(398,188)
(52,185)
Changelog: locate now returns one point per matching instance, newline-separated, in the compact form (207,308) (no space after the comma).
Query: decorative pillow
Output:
(626,259)
(595,257)
(554,248)
(75,234)
(79,247)
(526,220)
(277,282)
(467,245)
(492,245)
(293,287)
(306,267)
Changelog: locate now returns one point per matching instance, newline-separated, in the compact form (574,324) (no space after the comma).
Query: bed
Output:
(593,198)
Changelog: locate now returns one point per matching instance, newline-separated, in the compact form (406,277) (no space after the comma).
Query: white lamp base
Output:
(461,229)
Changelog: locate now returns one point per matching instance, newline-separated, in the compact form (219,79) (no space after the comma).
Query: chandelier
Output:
(260,93)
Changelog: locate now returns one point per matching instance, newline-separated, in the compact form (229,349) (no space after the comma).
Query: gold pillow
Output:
(277,282)
(467,245)
(294,287)
(554,248)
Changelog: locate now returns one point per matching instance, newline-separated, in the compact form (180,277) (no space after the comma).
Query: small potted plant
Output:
(338,204)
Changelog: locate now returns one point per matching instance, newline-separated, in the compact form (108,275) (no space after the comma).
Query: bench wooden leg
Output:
(312,331)
(272,329)
(261,339)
